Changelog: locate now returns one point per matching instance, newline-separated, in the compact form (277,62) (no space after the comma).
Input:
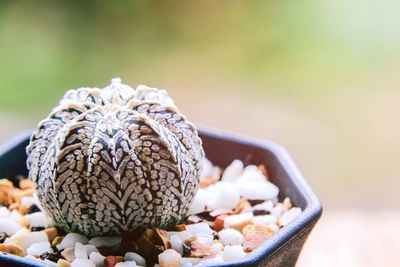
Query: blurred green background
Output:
(319,77)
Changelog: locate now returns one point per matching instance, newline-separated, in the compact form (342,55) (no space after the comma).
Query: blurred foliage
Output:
(292,47)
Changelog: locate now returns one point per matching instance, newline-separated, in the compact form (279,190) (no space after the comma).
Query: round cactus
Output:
(106,161)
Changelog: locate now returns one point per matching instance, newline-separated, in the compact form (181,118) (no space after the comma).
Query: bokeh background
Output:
(319,77)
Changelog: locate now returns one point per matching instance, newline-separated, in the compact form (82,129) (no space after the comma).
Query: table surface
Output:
(354,238)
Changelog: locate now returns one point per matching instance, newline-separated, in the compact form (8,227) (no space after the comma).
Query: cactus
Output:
(107,161)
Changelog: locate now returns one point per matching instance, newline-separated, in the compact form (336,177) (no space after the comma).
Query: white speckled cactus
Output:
(106,161)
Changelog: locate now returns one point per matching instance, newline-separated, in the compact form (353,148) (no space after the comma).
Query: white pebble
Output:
(206,168)
(266,205)
(9,226)
(230,237)
(289,216)
(70,240)
(91,248)
(37,249)
(277,210)
(68,254)
(199,202)
(264,219)
(132,256)
(222,195)
(80,251)
(4,212)
(232,253)
(233,171)
(97,259)
(15,216)
(216,260)
(29,201)
(256,190)
(202,231)
(169,258)
(252,173)
(176,244)
(217,247)
(238,219)
(187,261)
(82,263)
(31,238)
(38,219)
(126,264)
(105,241)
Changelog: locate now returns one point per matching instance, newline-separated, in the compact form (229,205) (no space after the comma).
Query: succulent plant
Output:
(107,161)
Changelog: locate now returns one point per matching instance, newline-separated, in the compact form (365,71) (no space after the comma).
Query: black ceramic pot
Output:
(281,250)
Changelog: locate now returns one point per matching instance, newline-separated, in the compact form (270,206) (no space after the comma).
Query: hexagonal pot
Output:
(281,250)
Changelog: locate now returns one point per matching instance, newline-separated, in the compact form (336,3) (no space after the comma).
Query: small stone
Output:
(82,263)
(233,171)
(31,238)
(231,237)
(25,184)
(199,202)
(257,190)
(264,219)
(202,231)
(80,251)
(38,219)
(233,253)
(90,249)
(289,216)
(8,226)
(97,259)
(68,254)
(111,261)
(256,234)
(238,221)
(63,263)
(132,256)
(169,258)
(4,212)
(218,224)
(51,233)
(37,249)
(12,249)
(176,244)
(222,195)
(199,250)
(126,264)
(70,239)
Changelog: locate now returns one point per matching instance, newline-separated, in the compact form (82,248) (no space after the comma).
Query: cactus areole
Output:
(107,161)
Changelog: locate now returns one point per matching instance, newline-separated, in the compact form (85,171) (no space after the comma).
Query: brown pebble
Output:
(57,240)
(263,170)
(17,194)
(254,235)
(218,224)
(12,249)
(24,222)
(22,209)
(5,183)
(199,250)
(25,184)
(63,263)
(5,196)
(51,233)
(111,261)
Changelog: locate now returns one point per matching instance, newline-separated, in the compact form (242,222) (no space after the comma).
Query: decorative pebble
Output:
(126,264)
(132,256)
(176,244)
(4,212)
(223,195)
(97,259)
(232,253)
(230,237)
(256,190)
(38,219)
(202,231)
(289,216)
(9,226)
(233,171)
(80,251)
(70,239)
(63,263)
(105,241)
(91,248)
(169,258)
(12,249)
(199,202)
(238,221)
(37,249)
(82,263)
(68,254)
(265,219)
(31,238)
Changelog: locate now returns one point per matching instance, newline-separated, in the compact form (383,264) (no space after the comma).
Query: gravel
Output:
(230,216)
